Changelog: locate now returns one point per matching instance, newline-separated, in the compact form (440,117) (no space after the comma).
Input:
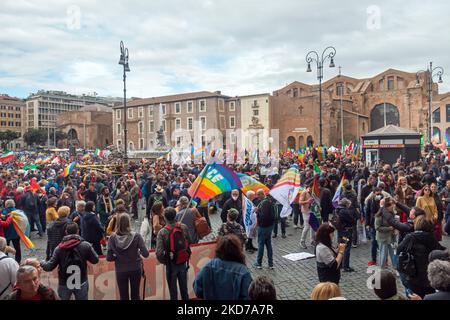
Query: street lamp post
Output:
(314,56)
(432,72)
(341,92)
(124,62)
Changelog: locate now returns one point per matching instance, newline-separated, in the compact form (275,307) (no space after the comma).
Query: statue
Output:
(160,137)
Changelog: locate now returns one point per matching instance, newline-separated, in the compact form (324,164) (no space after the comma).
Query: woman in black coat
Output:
(422,242)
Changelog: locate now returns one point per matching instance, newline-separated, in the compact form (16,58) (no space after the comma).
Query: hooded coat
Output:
(126,250)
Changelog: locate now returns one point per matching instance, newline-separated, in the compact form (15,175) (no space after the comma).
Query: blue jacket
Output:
(50,185)
(10,232)
(91,228)
(223,280)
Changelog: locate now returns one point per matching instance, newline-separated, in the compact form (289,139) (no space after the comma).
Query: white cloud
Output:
(238,47)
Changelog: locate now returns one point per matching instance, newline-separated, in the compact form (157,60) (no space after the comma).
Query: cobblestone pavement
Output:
(293,280)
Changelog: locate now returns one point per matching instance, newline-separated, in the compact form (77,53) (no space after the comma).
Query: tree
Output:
(60,135)
(35,136)
(6,137)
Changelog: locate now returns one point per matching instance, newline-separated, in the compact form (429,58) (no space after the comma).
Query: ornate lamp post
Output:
(432,72)
(328,53)
(124,62)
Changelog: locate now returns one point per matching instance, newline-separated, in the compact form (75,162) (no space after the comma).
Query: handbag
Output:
(406,261)
(201,227)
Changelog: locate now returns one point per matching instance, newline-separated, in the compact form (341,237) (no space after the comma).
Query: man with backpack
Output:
(265,215)
(29,204)
(71,257)
(173,250)
(156,197)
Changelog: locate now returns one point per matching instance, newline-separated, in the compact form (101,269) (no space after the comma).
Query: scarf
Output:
(107,203)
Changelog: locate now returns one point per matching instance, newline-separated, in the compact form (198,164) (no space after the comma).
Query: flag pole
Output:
(202,175)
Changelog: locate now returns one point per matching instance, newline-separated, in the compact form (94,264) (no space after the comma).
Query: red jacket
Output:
(4,224)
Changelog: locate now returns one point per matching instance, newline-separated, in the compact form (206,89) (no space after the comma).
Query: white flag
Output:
(287,189)
(249,215)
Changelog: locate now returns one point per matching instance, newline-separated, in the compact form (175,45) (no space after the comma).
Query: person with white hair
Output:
(10,232)
(8,270)
(29,287)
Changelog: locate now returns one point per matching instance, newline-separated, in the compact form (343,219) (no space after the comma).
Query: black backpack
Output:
(72,257)
(406,260)
(29,202)
(179,250)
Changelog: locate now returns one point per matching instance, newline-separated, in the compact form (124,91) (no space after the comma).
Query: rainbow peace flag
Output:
(337,194)
(249,183)
(22,227)
(68,170)
(215,179)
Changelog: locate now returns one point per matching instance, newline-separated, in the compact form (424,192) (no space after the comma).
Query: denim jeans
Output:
(296,213)
(264,239)
(349,235)
(129,280)
(176,272)
(374,244)
(79,294)
(385,249)
(33,218)
(282,222)
(307,228)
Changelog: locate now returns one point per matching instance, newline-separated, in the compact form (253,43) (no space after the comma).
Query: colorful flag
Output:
(214,179)
(22,227)
(286,189)
(249,183)
(86,157)
(68,170)
(316,168)
(249,215)
(35,187)
(7,156)
(98,153)
(38,161)
(56,160)
(315,190)
(337,194)
(31,166)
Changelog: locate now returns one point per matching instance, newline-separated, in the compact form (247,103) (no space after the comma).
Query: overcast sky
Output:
(236,46)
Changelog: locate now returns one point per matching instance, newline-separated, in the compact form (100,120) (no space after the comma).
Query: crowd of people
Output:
(402,209)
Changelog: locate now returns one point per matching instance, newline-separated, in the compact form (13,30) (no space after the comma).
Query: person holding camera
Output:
(328,259)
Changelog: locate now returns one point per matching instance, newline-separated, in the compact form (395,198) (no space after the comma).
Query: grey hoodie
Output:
(126,251)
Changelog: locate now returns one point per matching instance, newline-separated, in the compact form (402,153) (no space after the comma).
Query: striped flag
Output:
(68,170)
(249,215)
(249,183)
(215,179)
(338,192)
(286,190)
(98,153)
(7,156)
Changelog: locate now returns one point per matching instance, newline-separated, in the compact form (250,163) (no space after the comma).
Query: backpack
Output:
(29,202)
(336,221)
(179,250)
(406,261)
(72,258)
(201,227)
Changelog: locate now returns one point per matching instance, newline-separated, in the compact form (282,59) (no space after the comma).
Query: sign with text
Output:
(102,276)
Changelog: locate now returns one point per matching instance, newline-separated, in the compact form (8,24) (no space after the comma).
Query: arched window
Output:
(131,146)
(447,135)
(309,141)
(301,141)
(291,142)
(377,116)
(141,127)
(437,115)
(437,134)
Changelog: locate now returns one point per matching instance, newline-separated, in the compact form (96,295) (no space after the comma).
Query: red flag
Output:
(315,188)
(35,187)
